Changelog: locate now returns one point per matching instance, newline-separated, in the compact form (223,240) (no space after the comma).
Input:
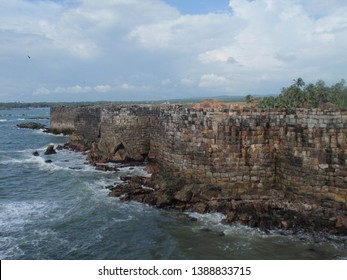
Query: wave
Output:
(243,237)
(17,214)
(63,161)
(12,120)
(43,132)
(39,161)
(135,171)
(31,150)
(16,217)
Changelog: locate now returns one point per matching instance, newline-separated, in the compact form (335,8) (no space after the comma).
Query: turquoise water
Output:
(61,210)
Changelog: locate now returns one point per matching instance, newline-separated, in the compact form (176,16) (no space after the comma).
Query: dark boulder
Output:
(48,161)
(36,154)
(50,150)
(31,125)
(125,178)
(57,131)
(106,167)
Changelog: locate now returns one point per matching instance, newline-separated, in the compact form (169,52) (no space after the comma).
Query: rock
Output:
(229,218)
(185,194)
(341,222)
(75,168)
(106,167)
(284,224)
(125,178)
(163,200)
(57,131)
(48,161)
(132,190)
(200,207)
(36,154)
(50,150)
(185,217)
(31,125)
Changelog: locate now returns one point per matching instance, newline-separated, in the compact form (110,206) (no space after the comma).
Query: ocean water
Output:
(61,210)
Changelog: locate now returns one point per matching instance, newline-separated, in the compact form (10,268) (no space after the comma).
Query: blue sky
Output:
(154,49)
(200,6)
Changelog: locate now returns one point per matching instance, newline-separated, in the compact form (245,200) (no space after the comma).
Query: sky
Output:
(118,50)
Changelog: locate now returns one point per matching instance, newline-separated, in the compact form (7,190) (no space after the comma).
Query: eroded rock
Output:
(31,125)
(50,150)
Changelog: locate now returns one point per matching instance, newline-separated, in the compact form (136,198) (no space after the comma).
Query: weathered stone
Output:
(185,194)
(163,200)
(200,207)
(50,150)
(229,218)
(106,167)
(31,125)
(229,154)
(341,222)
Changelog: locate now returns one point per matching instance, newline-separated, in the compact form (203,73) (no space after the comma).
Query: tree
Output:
(249,98)
(315,95)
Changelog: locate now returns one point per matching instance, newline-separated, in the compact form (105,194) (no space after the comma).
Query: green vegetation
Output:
(21,105)
(299,95)
(249,98)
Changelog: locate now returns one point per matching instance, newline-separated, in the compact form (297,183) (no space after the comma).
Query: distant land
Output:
(21,105)
(297,95)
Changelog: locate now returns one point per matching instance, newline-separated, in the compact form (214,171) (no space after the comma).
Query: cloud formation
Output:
(136,50)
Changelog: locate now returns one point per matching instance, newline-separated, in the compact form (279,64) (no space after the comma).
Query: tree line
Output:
(300,95)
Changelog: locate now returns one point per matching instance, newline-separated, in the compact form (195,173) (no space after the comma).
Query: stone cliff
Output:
(267,168)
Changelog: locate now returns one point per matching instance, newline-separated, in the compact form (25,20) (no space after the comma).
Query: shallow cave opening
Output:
(119,147)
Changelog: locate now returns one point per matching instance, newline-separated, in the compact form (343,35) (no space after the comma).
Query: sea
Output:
(60,210)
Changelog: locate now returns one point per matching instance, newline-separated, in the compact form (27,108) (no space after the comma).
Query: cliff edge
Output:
(263,168)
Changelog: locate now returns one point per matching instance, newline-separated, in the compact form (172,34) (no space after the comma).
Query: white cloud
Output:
(188,81)
(41,91)
(224,55)
(126,86)
(77,89)
(188,33)
(131,87)
(214,81)
(102,88)
(73,89)
(86,47)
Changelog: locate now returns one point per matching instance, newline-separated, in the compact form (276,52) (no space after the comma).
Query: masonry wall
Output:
(63,118)
(125,132)
(245,154)
(241,154)
(312,160)
(228,151)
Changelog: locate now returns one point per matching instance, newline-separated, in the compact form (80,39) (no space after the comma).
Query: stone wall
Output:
(125,133)
(221,154)
(63,119)
(301,153)
(312,160)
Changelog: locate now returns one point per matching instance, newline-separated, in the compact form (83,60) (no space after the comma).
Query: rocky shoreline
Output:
(265,214)
(38,126)
(165,192)
(272,169)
